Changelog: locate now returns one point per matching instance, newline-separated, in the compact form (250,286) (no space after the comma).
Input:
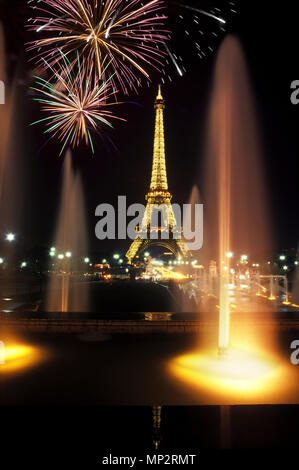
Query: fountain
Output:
(236,221)
(295,289)
(6,114)
(64,293)
(286,291)
(232,170)
(3,110)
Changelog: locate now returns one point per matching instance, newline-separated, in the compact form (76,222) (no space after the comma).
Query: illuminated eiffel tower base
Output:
(158,198)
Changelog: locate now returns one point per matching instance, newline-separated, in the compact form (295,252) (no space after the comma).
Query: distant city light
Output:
(285,268)
(1,260)
(10,237)
(229,254)
(146,254)
(68,254)
(282,257)
(121,261)
(104,261)
(116,256)
(53,248)
(23,264)
(86,260)
(52,253)
(296,263)
(60,256)
(244,258)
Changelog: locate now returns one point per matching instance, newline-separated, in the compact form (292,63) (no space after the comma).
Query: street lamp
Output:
(86,260)
(1,260)
(60,256)
(10,237)
(104,261)
(229,254)
(23,264)
(282,257)
(68,254)
(116,256)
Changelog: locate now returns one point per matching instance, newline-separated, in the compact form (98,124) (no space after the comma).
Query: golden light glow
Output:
(16,357)
(244,374)
(168,274)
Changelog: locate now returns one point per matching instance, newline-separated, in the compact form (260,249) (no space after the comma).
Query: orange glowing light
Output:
(243,374)
(18,356)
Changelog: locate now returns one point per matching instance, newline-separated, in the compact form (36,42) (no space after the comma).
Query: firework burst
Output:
(125,33)
(76,102)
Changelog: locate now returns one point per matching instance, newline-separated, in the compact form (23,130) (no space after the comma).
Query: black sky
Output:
(269,38)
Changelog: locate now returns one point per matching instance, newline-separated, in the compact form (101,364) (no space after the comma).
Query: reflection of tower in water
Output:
(156,413)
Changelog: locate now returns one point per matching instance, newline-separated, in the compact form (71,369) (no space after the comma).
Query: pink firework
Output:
(117,36)
(75,102)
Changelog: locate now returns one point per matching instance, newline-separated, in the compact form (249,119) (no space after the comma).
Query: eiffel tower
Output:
(159,198)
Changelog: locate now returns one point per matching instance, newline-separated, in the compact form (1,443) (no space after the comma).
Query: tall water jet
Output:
(64,294)
(11,159)
(236,215)
(4,111)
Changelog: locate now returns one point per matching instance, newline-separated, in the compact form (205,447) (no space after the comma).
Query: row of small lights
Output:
(12,236)
(244,259)
(68,254)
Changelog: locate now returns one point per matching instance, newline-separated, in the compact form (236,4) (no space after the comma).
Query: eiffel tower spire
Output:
(159,176)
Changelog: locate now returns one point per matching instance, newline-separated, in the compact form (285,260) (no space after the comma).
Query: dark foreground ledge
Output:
(142,322)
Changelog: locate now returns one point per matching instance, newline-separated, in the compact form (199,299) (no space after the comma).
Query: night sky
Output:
(269,39)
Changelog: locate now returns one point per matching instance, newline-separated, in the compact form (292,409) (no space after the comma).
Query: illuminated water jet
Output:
(233,209)
(71,244)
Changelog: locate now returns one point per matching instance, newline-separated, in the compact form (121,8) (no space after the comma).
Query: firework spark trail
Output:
(127,32)
(76,103)
(203,12)
(107,33)
(173,60)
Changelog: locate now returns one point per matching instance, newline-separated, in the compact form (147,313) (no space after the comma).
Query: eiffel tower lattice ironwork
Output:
(158,197)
